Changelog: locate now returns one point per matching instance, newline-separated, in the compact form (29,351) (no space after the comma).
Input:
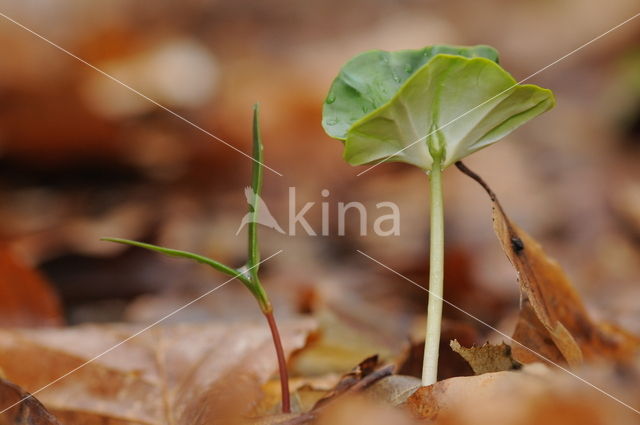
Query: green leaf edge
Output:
(514,82)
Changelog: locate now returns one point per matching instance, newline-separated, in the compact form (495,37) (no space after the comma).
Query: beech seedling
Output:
(248,274)
(430,108)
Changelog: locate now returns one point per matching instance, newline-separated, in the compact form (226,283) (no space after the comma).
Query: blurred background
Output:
(83,157)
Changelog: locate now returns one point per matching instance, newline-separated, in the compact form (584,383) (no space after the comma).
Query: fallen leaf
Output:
(534,395)
(182,374)
(29,412)
(487,358)
(335,347)
(531,333)
(445,398)
(555,302)
(367,383)
(26,298)
(394,389)
(552,297)
(352,384)
(366,373)
(305,393)
(360,409)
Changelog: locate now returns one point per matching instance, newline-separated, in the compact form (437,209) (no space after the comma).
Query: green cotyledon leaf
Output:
(372,78)
(459,103)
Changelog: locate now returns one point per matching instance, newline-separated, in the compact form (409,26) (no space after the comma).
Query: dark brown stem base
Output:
(282,363)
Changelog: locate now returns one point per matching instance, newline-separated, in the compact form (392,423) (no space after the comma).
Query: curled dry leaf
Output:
(487,358)
(29,412)
(531,333)
(183,374)
(554,320)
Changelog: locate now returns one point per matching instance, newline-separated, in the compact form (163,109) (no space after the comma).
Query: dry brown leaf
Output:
(362,376)
(183,374)
(26,298)
(367,384)
(535,395)
(487,358)
(445,398)
(531,333)
(394,389)
(359,409)
(352,384)
(305,393)
(29,412)
(552,297)
(555,302)
(336,347)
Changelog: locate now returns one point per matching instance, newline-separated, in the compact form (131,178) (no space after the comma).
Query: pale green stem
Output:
(436,277)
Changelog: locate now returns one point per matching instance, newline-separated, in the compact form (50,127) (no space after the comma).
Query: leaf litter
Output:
(600,388)
(197,374)
(182,374)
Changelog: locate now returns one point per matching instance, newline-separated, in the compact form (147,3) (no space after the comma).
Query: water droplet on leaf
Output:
(330,99)
(331,121)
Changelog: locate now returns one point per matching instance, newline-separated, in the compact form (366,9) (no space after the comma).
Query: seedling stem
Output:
(248,275)
(381,103)
(436,277)
(253,261)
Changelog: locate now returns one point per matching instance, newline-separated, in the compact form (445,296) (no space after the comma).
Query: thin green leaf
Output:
(188,255)
(256,186)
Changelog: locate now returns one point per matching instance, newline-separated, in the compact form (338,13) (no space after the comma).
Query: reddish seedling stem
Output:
(282,363)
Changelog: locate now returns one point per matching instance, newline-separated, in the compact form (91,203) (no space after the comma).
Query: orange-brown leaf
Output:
(178,375)
(554,301)
(30,411)
(26,298)
(536,395)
